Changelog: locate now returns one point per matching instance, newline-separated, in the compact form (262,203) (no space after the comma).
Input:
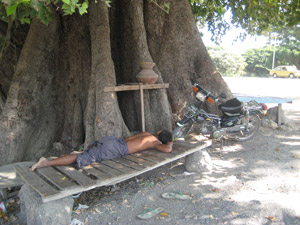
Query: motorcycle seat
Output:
(232,106)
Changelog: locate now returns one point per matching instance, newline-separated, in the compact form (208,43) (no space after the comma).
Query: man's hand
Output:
(165,147)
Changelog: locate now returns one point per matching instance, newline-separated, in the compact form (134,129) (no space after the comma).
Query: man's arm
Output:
(165,147)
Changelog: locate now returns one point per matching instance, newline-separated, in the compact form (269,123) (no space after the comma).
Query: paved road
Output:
(276,87)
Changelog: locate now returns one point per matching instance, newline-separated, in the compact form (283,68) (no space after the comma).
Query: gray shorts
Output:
(104,149)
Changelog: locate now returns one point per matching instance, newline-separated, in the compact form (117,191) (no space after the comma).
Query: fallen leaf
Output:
(211,216)
(271,218)
(277,149)
(234,213)
(164,214)
(63,178)
(295,156)
(216,190)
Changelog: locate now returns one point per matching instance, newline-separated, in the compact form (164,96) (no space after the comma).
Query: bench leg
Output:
(3,193)
(279,114)
(34,211)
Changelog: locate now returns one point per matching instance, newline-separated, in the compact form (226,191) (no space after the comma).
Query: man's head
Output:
(165,136)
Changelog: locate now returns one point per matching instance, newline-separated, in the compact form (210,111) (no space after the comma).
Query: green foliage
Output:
(254,16)
(289,38)
(69,6)
(259,61)
(227,62)
(25,10)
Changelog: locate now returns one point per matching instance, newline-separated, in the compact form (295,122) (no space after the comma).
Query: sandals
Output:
(176,195)
(149,212)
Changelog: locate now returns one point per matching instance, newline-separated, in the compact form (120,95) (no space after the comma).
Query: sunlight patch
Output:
(282,192)
(292,143)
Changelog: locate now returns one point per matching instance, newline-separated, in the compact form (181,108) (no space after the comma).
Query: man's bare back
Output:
(146,140)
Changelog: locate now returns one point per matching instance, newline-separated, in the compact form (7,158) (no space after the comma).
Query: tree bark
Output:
(2,101)
(28,119)
(74,79)
(3,28)
(175,44)
(134,49)
(107,118)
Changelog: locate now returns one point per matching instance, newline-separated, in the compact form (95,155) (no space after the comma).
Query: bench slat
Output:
(37,183)
(148,157)
(128,163)
(159,153)
(118,166)
(97,173)
(56,178)
(76,175)
(140,161)
(106,169)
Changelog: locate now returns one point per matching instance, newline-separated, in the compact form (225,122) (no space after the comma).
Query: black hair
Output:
(165,136)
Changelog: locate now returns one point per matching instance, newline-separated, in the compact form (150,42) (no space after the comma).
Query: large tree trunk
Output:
(134,49)
(56,92)
(28,121)
(180,54)
(104,117)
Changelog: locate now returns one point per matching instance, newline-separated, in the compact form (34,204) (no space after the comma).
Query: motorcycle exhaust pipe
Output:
(223,131)
(234,128)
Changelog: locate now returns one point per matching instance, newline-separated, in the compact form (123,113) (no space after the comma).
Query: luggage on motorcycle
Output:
(232,107)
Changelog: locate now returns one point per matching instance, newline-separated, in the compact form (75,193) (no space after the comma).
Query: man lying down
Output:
(110,147)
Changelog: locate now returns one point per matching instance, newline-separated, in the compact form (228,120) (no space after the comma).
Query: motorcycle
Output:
(238,121)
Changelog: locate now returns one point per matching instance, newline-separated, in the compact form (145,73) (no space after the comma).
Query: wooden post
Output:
(142,106)
(3,193)
(279,114)
(135,87)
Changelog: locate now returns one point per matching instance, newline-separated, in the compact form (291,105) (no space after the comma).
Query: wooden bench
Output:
(53,183)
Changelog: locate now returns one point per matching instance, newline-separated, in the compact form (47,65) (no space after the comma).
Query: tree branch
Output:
(3,29)
(2,101)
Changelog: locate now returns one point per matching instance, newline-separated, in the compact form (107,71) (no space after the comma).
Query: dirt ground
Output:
(254,182)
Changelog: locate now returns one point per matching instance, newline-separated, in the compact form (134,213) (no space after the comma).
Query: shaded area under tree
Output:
(54,86)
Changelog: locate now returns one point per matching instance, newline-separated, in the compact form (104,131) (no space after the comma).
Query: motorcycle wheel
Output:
(254,125)
(182,131)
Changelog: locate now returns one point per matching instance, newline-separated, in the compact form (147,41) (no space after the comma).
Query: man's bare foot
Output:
(41,163)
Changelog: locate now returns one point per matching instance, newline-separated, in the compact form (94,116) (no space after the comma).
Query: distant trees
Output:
(258,61)
(228,63)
